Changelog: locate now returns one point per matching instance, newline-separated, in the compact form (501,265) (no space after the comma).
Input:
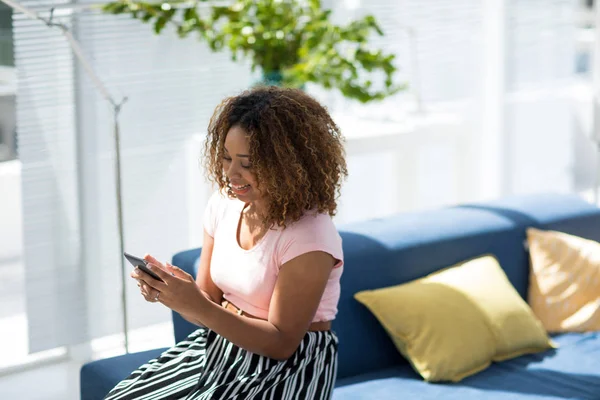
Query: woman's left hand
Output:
(179,290)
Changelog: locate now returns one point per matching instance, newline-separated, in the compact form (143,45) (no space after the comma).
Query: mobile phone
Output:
(141,264)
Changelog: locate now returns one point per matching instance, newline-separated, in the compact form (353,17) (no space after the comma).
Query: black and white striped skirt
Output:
(207,366)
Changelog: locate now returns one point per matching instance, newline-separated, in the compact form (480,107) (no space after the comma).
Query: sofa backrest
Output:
(391,251)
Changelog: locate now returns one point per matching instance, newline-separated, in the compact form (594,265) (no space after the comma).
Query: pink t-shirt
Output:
(247,277)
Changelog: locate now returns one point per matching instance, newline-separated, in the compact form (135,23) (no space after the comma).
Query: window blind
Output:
(46,121)
(65,130)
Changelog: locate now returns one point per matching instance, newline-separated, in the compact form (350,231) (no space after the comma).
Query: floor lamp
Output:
(116,106)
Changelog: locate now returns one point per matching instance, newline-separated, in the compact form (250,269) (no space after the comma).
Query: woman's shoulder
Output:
(312,225)
(313,231)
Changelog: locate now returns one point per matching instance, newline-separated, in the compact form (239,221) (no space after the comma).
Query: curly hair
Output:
(296,149)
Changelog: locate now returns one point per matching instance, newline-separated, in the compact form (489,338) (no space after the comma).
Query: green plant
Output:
(291,40)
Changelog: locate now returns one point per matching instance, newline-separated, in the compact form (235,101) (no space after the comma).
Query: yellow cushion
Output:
(564,284)
(453,323)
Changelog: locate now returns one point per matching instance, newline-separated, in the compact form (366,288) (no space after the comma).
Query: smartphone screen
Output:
(141,264)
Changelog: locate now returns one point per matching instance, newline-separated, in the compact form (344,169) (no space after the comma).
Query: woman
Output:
(268,279)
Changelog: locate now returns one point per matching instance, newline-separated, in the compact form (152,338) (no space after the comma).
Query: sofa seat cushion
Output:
(97,378)
(571,371)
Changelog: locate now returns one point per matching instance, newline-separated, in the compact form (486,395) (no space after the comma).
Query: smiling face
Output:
(238,167)
(297,150)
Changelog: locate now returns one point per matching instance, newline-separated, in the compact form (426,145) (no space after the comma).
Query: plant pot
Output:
(273,78)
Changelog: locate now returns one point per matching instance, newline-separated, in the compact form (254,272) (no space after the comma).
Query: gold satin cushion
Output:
(564,282)
(455,322)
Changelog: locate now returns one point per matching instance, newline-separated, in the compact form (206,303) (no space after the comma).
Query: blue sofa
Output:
(394,250)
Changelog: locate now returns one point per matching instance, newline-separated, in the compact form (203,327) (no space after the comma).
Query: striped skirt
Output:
(207,366)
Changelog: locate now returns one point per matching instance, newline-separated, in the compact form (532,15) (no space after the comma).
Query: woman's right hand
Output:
(150,295)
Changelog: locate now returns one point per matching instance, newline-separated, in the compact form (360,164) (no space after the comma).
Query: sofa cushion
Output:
(392,251)
(439,330)
(97,378)
(454,322)
(564,286)
(572,371)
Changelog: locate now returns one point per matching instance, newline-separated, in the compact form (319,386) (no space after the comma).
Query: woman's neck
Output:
(255,213)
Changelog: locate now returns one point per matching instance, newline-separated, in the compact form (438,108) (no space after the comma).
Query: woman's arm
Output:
(298,291)
(203,279)
(296,297)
